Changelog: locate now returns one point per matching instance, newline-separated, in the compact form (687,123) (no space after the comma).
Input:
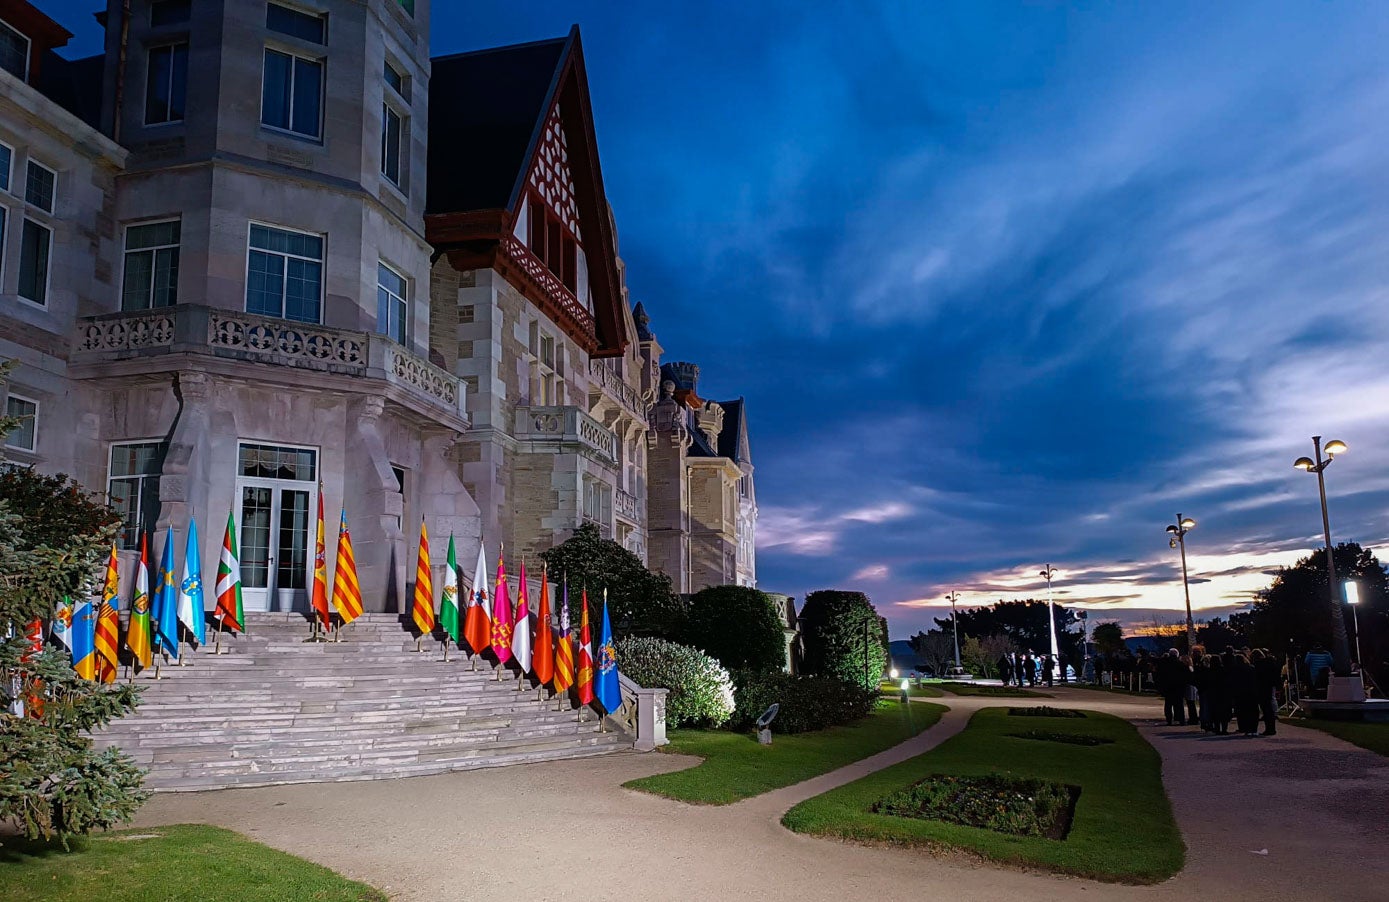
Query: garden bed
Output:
(1045,711)
(1020,806)
(1069,738)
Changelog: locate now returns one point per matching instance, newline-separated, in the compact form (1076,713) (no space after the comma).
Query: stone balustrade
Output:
(567,425)
(231,334)
(643,714)
(626,506)
(610,382)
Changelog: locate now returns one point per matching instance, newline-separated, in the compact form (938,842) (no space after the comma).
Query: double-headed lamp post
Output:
(1178,540)
(955,622)
(1047,574)
(1340,647)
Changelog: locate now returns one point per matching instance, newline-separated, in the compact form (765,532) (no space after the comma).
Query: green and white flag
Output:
(449,615)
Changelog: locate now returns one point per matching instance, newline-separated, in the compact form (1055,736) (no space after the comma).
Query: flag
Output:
(543,660)
(448,601)
(34,692)
(83,639)
(165,611)
(192,612)
(61,630)
(137,632)
(423,610)
(501,615)
(521,633)
(320,567)
(347,594)
(228,588)
(477,628)
(609,690)
(585,679)
(108,623)
(564,648)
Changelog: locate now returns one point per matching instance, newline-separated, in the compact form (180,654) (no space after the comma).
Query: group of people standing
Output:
(1211,690)
(1027,669)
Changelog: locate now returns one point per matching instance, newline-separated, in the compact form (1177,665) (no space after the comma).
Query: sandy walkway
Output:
(1317,804)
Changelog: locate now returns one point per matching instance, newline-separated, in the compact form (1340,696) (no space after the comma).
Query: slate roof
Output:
(731,444)
(485,111)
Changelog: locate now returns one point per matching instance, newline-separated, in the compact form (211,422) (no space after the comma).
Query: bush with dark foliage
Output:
(807,702)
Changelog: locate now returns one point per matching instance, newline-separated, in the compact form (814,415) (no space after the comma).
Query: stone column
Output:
(668,522)
(374,508)
(184,480)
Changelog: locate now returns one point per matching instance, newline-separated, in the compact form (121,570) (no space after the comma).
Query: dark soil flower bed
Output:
(1071,738)
(994,802)
(1045,711)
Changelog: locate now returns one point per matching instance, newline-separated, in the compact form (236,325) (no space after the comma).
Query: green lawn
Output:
(1123,829)
(736,767)
(990,691)
(1372,736)
(894,690)
(185,863)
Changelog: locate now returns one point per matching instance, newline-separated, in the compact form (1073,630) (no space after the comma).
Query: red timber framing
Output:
(561,186)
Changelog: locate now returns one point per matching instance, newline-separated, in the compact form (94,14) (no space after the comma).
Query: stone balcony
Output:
(627,506)
(567,428)
(164,338)
(603,379)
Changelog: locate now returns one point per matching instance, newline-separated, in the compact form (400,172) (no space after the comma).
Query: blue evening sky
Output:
(1007,285)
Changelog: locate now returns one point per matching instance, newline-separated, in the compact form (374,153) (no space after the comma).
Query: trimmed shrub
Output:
(843,637)
(1021,807)
(739,626)
(640,602)
(1045,711)
(701,693)
(807,702)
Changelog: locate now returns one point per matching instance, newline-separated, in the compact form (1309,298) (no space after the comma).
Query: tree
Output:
(936,649)
(1025,622)
(640,603)
(1217,634)
(975,661)
(1108,637)
(1291,614)
(739,626)
(843,637)
(53,783)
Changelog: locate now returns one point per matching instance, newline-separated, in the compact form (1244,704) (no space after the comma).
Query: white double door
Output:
(277,543)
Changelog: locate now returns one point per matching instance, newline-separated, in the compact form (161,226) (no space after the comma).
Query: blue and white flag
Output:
(606,687)
(61,630)
(190,590)
(165,608)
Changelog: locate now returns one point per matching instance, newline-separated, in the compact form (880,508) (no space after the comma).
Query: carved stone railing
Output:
(626,506)
(567,425)
(213,331)
(126,332)
(642,715)
(558,292)
(610,382)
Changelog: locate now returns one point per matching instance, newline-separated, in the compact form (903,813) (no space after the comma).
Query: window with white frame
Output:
(24,436)
(151,265)
(14,52)
(284,274)
(544,382)
(598,502)
(40,183)
(35,245)
(132,487)
(395,124)
(391,307)
(166,84)
(292,93)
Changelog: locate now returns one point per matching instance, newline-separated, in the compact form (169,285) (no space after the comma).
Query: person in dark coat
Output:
(1048,670)
(1005,670)
(1169,675)
(1218,691)
(1189,668)
(1244,695)
(1268,675)
(1030,665)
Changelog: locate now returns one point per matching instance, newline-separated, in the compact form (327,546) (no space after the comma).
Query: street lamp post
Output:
(955,622)
(1047,574)
(1353,599)
(1340,647)
(1178,540)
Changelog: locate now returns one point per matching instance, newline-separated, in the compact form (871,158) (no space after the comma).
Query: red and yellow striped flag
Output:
(347,595)
(564,648)
(320,567)
(423,610)
(585,681)
(108,624)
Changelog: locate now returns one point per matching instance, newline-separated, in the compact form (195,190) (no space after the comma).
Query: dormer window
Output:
(553,245)
(14,52)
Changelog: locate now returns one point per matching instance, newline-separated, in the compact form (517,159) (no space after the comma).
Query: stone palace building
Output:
(259,250)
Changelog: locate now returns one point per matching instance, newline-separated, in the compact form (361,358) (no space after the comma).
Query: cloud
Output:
(871,572)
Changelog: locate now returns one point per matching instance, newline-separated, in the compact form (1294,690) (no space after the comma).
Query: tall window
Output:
(284,274)
(544,382)
(24,436)
(395,124)
(292,93)
(598,502)
(296,23)
(552,244)
(39,183)
(391,128)
(35,244)
(14,52)
(6,164)
(390,303)
(133,487)
(166,83)
(151,266)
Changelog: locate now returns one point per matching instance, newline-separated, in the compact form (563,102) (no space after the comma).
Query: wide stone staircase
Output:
(273,708)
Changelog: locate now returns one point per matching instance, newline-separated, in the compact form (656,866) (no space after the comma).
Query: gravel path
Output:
(1316,804)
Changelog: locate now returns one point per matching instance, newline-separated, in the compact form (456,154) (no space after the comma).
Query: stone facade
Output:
(251,305)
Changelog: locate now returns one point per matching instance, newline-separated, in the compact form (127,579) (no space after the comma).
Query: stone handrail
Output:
(198,329)
(625,505)
(642,715)
(610,382)
(566,424)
